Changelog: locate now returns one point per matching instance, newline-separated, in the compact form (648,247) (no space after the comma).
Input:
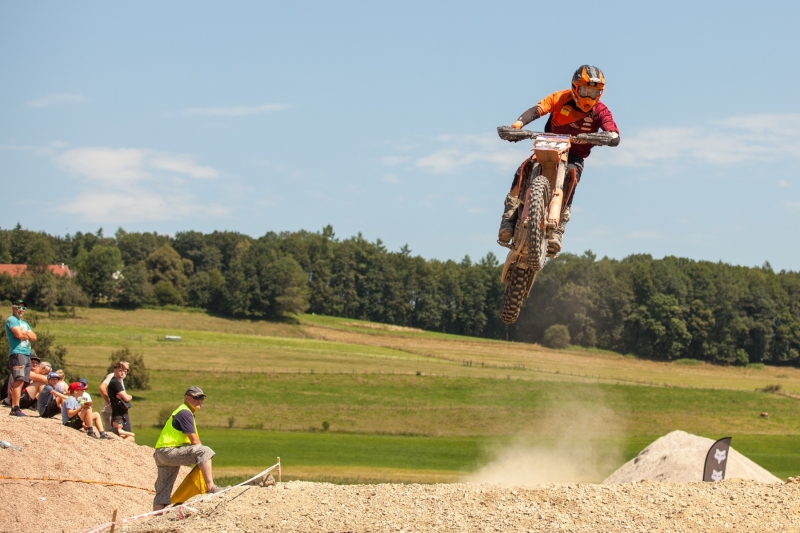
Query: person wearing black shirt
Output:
(120,399)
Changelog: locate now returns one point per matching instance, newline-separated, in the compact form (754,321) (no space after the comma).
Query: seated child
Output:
(62,386)
(49,401)
(77,414)
(117,424)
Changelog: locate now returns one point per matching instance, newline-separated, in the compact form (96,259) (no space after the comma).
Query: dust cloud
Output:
(579,442)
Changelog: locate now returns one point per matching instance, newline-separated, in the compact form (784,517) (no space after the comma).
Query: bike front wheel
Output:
(516,288)
(537,238)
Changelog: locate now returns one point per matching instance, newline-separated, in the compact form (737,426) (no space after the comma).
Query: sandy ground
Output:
(53,451)
(734,505)
(50,450)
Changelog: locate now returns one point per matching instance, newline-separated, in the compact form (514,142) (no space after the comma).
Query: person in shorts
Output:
(49,401)
(118,428)
(20,336)
(178,445)
(119,398)
(36,382)
(76,413)
(5,390)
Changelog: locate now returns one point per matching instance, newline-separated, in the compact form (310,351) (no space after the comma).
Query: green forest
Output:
(663,309)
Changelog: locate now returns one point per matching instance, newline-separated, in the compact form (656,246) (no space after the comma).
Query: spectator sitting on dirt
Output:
(117,427)
(77,414)
(178,445)
(62,386)
(85,384)
(36,381)
(50,400)
(120,399)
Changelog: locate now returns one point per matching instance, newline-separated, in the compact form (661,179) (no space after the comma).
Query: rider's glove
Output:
(517,125)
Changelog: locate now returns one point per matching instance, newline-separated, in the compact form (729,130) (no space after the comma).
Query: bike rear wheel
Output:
(537,239)
(516,287)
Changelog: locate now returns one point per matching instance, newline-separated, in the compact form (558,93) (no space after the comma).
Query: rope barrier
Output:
(108,483)
(181,507)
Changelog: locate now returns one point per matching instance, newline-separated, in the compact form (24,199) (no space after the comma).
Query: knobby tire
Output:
(516,286)
(537,240)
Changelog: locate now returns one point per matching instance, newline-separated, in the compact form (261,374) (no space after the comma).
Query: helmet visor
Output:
(589,92)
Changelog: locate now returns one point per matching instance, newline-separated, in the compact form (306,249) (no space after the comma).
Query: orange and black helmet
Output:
(588,83)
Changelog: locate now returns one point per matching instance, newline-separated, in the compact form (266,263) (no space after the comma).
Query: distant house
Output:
(61,270)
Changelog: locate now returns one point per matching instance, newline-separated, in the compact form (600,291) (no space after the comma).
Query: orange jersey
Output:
(562,107)
(566,119)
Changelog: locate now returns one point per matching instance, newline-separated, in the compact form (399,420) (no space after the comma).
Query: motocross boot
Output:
(554,244)
(509,219)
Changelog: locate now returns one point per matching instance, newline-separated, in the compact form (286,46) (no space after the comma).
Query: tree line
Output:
(668,309)
(661,309)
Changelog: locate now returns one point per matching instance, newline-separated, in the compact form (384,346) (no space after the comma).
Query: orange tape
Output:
(76,481)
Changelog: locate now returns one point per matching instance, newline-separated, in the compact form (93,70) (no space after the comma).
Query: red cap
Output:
(75,386)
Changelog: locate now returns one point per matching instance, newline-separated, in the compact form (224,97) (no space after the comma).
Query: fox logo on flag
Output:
(717,460)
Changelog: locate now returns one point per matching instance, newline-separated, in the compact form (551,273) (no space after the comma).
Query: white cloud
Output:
(182,164)
(390,178)
(127,165)
(734,140)
(784,184)
(236,111)
(468,149)
(116,166)
(134,206)
(54,99)
(132,184)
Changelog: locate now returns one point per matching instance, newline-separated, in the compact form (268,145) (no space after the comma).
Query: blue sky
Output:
(380,118)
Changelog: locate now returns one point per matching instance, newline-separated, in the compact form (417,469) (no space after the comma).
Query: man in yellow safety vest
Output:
(178,445)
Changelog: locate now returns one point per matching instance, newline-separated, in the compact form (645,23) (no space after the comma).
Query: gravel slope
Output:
(679,457)
(51,450)
(734,505)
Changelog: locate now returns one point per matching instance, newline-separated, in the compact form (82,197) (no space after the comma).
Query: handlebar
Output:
(510,134)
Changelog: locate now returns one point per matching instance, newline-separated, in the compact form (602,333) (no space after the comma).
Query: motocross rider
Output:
(576,111)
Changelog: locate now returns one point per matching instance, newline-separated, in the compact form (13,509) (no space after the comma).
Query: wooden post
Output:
(279,469)
(113,521)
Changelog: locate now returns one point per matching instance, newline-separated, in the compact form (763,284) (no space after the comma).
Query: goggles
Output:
(589,92)
(21,308)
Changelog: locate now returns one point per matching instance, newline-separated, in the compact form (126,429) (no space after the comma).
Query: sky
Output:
(380,118)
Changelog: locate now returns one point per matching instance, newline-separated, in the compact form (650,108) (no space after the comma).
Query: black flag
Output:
(717,460)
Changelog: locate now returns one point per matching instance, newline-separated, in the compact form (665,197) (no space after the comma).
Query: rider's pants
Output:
(573,162)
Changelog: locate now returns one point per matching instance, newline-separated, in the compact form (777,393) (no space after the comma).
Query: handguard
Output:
(601,138)
(507,133)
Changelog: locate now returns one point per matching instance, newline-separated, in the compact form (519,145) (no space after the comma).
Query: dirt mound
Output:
(53,451)
(679,457)
(732,505)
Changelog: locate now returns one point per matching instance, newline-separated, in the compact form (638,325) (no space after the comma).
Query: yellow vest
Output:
(171,437)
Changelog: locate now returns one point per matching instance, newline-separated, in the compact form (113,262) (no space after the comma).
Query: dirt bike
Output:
(544,187)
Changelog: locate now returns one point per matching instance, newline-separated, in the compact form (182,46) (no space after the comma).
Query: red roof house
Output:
(17,270)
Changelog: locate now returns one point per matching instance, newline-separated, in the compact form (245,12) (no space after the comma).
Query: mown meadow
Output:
(349,401)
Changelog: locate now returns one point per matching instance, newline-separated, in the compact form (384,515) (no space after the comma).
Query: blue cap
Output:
(83,380)
(52,375)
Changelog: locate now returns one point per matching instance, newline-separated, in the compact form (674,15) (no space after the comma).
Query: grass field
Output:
(407,405)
